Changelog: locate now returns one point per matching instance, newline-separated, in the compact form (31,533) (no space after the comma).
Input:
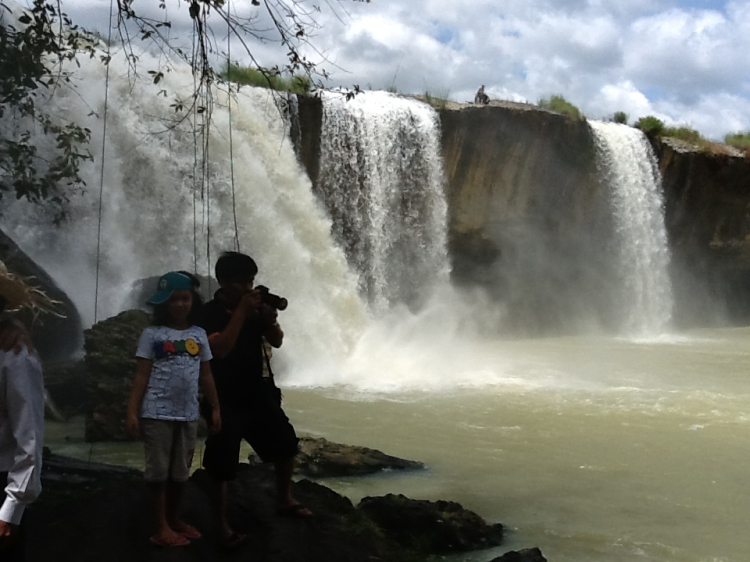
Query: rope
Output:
(101,175)
(195,167)
(206,180)
(231,144)
(101,180)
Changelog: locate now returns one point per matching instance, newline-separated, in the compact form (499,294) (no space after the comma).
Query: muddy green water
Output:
(593,449)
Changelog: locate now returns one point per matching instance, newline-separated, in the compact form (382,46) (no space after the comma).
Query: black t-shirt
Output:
(239,375)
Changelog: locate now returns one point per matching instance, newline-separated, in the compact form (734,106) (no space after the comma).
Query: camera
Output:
(274,301)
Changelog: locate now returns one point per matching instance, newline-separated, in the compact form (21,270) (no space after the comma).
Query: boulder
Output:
(320,458)
(431,527)
(525,555)
(55,338)
(110,360)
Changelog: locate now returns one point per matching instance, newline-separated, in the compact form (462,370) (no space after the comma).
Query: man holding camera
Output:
(237,321)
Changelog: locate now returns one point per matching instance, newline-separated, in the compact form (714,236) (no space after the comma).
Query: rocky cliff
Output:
(527,218)
(707,198)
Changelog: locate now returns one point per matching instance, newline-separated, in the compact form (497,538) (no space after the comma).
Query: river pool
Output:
(592,448)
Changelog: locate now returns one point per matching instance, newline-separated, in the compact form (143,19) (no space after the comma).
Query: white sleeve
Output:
(146,344)
(25,403)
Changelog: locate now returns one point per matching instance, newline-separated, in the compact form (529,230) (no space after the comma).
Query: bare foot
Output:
(187,531)
(169,538)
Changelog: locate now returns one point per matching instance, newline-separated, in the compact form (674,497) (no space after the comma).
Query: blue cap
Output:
(168,284)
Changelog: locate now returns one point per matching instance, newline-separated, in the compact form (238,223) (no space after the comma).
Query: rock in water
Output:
(431,527)
(320,458)
(110,359)
(525,555)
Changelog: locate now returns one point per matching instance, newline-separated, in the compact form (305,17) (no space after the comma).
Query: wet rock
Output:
(320,458)
(525,555)
(431,527)
(110,360)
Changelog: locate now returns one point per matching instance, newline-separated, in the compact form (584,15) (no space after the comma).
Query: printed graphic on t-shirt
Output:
(170,347)
(172,391)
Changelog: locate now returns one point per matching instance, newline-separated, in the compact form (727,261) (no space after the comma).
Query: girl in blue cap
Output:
(172,365)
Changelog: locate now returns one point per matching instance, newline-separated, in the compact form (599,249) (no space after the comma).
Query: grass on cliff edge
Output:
(439,101)
(559,104)
(266,78)
(655,128)
(739,140)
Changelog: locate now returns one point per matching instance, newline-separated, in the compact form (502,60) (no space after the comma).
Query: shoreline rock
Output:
(439,527)
(320,458)
(93,512)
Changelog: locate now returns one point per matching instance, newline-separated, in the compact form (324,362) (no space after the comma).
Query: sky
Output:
(684,61)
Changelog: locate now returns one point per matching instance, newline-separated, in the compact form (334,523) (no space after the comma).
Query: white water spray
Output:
(628,165)
(148,208)
(382,179)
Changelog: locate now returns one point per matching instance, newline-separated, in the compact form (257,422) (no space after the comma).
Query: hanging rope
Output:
(101,180)
(231,144)
(206,176)
(195,165)
(101,175)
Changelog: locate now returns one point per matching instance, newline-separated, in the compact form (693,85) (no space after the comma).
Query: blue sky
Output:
(684,61)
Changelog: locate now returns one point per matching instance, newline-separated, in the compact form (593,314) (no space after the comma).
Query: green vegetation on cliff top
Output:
(267,78)
(559,104)
(738,140)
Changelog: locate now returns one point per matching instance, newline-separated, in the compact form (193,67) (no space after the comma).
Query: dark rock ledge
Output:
(320,458)
(91,512)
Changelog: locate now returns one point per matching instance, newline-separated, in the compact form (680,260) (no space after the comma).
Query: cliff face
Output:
(527,218)
(707,198)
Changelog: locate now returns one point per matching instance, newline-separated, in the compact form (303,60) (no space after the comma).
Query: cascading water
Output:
(148,227)
(628,166)
(382,180)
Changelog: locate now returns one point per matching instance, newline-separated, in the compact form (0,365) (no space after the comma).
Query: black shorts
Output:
(262,423)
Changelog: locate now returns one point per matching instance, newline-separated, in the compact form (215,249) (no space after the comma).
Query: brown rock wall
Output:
(707,215)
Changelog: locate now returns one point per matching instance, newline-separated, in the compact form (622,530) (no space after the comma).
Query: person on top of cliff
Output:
(481,97)
(237,321)
(21,414)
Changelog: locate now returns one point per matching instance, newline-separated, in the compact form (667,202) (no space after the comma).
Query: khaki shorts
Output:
(170,446)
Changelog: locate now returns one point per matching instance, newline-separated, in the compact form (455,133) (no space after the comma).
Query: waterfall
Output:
(155,217)
(382,181)
(628,166)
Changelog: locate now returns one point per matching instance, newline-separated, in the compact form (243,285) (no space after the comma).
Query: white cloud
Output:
(641,56)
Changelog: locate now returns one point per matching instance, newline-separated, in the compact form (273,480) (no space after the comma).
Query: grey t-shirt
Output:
(172,391)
